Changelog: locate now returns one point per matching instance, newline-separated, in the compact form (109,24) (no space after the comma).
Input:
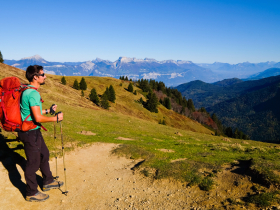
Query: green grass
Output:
(264,199)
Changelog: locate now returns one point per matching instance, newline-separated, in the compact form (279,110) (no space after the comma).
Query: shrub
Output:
(130,87)
(63,80)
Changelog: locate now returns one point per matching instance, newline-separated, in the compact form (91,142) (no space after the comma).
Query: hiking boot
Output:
(38,197)
(53,185)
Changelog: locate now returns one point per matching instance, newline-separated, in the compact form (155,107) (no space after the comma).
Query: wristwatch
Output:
(47,111)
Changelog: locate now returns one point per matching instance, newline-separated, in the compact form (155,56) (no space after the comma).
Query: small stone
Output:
(85,180)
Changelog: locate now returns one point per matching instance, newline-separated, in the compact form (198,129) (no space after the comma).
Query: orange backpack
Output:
(10,96)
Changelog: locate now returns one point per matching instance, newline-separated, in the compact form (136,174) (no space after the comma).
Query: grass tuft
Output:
(264,199)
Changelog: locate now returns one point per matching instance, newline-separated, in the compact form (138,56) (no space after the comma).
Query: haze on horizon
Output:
(204,31)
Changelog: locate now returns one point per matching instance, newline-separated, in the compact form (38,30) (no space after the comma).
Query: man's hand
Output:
(53,109)
(59,116)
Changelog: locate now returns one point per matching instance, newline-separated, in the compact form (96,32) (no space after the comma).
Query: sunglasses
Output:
(41,75)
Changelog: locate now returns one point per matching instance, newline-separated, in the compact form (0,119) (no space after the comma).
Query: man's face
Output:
(41,78)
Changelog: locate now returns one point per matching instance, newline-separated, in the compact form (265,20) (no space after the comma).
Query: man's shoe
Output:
(38,197)
(53,185)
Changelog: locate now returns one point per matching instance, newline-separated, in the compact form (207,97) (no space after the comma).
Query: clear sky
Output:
(202,31)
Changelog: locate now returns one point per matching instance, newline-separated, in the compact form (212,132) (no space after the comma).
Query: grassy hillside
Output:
(183,149)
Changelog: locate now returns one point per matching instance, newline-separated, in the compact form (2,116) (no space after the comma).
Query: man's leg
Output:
(32,152)
(44,162)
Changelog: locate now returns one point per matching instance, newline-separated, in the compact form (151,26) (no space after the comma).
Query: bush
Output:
(130,87)
(206,184)
(63,80)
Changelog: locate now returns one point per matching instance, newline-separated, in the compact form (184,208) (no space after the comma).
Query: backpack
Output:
(10,96)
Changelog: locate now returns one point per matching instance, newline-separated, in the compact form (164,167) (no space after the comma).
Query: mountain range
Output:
(171,72)
(252,106)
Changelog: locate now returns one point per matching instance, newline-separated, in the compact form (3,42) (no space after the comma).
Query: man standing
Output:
(36,151)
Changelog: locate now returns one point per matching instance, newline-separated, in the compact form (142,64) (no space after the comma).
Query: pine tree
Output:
(76,85)
(82,93)
(167,103)
(126,79)
(83,84)
(107,93)
(104,102)
(112,94)
(141,100)
(130,87)
(135,93)
(190,105)
(63,80)
(1,58)
(152,102)
(228,131)
(163,122)
(94,97)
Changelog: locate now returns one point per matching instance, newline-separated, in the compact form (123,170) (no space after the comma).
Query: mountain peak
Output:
(35,57)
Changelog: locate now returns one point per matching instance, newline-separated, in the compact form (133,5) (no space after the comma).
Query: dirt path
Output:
(98,180)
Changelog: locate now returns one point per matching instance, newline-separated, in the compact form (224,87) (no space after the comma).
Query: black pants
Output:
(37,155)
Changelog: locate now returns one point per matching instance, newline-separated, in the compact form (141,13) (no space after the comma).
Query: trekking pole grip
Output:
(56,114)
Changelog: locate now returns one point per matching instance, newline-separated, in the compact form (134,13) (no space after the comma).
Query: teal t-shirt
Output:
(29,98)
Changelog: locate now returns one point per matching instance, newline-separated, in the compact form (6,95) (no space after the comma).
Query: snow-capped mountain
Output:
(171,72)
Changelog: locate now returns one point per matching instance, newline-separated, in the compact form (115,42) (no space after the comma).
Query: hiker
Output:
(36,151)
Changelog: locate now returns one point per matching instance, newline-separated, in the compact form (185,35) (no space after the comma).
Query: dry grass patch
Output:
(124,139)
(166,150)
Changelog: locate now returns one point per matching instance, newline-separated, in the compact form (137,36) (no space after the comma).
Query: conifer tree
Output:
(82,93)
(104,102)
(107,93)
(130,87)
(163,122)
(94,97)
(141,100)
(190,105)
(1,58)
(112,94)
(160,101)
(76,85)
(83,84)
(152,102)
(63,80)
(167,103)
(135,93)
(126,79)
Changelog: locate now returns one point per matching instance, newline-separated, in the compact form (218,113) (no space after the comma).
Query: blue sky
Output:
(200,31)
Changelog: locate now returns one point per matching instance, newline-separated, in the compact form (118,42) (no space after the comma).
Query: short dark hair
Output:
(32,71)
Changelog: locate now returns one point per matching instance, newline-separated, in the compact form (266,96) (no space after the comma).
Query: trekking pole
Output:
(54,136)
(63,159)
(54,133)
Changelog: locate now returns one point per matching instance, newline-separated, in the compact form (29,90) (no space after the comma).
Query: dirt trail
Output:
(98,180)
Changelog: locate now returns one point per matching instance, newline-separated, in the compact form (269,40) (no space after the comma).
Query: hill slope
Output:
(196,159)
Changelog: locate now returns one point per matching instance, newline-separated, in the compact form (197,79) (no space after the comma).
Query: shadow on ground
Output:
(9,158)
